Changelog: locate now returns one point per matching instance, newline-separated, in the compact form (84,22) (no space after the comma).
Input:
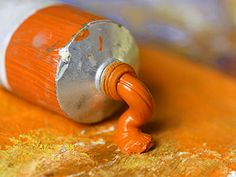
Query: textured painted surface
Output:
(194,128)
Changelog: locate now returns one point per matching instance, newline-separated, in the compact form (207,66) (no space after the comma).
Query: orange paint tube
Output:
(76,64)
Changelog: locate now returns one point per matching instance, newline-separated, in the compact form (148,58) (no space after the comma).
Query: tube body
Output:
(50,54)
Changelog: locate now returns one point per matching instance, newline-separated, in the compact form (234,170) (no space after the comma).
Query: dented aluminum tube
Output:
(82,60)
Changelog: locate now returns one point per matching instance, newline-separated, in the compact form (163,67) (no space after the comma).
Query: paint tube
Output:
(54,54)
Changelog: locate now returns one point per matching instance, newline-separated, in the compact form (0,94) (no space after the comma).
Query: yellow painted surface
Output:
(194,129)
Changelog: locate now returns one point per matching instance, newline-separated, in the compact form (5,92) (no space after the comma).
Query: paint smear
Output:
(100,43)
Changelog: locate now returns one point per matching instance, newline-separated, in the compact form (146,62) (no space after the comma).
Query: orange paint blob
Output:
(119,82)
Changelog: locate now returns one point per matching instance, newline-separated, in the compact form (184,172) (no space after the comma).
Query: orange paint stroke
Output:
(120,83)
(100,43)
(84,34)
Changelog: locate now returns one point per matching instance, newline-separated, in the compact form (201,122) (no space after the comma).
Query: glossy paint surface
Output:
(120,83)
(128,136)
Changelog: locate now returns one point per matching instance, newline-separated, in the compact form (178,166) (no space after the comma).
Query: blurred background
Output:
(204,30)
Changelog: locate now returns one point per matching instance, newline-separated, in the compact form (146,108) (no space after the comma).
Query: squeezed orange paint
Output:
(120,82)
(128,136)
(32,55)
